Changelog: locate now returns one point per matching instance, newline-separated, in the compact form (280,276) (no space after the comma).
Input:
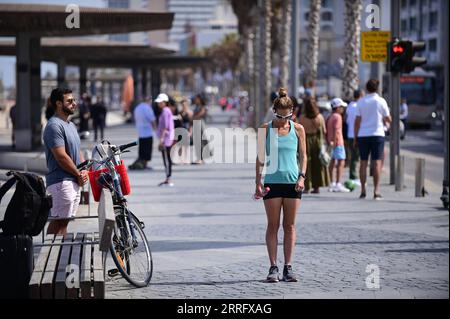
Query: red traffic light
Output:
(398,49)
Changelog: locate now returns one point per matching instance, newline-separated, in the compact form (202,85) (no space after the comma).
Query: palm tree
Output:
(266,59)
(245,13)
(285,41)
(352,24)
(312,51)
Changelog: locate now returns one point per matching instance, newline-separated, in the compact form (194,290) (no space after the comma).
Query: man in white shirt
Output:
(372,113)
(350,115)
(145,121)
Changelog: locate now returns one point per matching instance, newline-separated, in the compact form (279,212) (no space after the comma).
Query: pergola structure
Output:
(29,23)
(145,61)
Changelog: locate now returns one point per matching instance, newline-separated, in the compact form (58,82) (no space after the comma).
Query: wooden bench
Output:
(73,266)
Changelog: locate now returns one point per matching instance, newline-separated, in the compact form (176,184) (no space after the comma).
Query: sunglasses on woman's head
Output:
(283,117)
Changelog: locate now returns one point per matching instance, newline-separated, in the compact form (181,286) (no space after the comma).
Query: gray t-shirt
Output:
(60,133)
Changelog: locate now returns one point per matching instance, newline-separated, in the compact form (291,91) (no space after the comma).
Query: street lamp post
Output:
(394,97)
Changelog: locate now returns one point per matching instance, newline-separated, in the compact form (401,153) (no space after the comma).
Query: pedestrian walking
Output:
(404,117)
(335,139)
(145,122)
(13,118)
(84,115)
(314,124)
(186,115)
(283,184)
(98,115)
(166,134)
(63,154)
(200,113)
(297,110)
(353,153)
(372,114)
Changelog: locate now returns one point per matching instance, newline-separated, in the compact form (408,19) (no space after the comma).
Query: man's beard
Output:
(68,111)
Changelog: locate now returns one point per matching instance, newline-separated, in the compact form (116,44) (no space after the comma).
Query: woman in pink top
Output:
(166,133)
(335,139)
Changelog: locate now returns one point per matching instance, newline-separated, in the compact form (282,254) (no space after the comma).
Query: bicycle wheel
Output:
(133,258)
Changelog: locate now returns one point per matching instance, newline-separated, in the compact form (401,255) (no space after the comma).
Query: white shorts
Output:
(66,198)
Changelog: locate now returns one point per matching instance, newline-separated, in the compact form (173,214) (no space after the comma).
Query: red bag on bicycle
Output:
(97,187)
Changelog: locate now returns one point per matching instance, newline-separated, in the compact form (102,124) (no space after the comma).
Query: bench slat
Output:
(75,260)
(64,258)
(85,268)
(47,283)
(39,268)
(99,279)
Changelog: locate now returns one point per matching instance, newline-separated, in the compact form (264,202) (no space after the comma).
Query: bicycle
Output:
(129,246)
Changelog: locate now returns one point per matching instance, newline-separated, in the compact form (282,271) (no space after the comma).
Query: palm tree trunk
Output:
(250,60)
(312,51)
(266,83)
(285,42)
(257,70)
(350,80)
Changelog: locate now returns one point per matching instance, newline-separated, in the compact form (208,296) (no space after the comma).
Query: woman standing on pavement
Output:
(201,148)
(186,115)
(314,124)
(166,134)
(283,182)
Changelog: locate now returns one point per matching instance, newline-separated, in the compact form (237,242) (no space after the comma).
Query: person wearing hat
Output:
(335,139)
(166,134)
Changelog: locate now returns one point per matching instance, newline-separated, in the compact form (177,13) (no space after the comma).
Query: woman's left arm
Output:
(302,156)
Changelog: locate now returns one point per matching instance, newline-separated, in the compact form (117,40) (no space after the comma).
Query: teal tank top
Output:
(281,167)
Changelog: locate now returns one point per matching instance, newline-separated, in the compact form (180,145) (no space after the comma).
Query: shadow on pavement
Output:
(423,250)
(175,245)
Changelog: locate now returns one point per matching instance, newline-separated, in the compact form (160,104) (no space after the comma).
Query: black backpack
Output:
(29,208)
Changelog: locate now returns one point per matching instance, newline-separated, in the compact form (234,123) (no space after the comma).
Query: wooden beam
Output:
(106,220)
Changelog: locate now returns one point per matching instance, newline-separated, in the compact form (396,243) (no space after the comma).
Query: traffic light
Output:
(401,57)
(414,61)
(397,56)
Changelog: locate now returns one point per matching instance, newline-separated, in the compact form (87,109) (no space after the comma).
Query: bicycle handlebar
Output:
(120,149)
(81,165)
(125,146)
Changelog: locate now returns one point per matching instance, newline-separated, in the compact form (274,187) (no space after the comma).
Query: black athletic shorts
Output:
(145,148)
(282,190)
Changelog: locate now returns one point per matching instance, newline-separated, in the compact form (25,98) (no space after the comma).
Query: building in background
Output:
(332,41)
(135,37)
(194,13)
(222,22)
(422,20)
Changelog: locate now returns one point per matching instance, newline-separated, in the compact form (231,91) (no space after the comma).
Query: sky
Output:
(8,64)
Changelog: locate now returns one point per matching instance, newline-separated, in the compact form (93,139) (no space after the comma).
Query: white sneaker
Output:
(341,188)
(357,182)
(165,184)
(332,187)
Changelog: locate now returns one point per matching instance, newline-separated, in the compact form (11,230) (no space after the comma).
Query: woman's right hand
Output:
(260,192)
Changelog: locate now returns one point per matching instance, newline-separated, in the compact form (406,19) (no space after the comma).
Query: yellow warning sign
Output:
(374,45)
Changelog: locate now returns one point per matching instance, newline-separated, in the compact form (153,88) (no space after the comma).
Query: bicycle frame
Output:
(111,180)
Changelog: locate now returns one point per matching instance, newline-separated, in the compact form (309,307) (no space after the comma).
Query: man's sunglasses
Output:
(71,101)
(285,117)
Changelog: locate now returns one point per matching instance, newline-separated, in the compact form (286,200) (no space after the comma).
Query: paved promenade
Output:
(208,237)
